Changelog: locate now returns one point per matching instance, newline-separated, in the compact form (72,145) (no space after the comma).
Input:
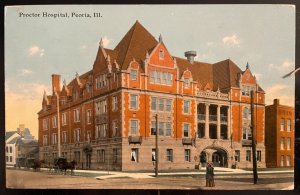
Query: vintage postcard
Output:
(195,97)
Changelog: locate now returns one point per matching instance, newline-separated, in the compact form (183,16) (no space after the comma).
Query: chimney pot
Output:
(276,101)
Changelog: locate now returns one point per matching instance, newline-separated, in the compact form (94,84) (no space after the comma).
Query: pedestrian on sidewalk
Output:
(210,175)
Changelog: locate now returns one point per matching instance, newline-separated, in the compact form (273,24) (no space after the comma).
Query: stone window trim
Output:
(169,156)
(186,110)
(134,156)
(133,75)
(137,122)
(64,119)
(137,104)
(76,115)
(184,126)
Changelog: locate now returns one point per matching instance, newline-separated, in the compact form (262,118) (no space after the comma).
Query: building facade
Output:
(280,134)
(107,115)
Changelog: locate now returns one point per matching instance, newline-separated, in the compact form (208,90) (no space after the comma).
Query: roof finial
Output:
(101,42)
(65,82)
(247,66)
(76,75)
(160,38)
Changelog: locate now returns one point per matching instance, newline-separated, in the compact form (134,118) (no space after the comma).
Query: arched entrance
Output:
(217,155)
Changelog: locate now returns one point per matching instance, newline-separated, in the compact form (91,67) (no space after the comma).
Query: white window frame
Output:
(288,143)
(76,113)
(282,144)
(54,121)
(115,103)
(54,138)
(153,103)
(168,106)
(161,104)
(134,156)
(248,155)
(77,135)
(45,124)
(186,125)
(133,74)
(134,100)
(288,160)
(115,128)
(186,82)
(187,155)
(64,119)
(161,54)
(288,125)
(64,137)
(89,116)
(282,121)
(45,140)
(169,155)
(134,126)
(186,106)
(282,160)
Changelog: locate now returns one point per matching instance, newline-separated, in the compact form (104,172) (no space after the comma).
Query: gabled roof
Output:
(14,140)
(226,74)
(8,134)
(202,72)
(135,44)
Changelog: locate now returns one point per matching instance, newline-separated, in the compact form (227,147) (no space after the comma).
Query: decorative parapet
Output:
(135,139)
(212,94)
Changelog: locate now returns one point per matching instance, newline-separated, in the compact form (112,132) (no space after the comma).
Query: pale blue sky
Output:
(36,47)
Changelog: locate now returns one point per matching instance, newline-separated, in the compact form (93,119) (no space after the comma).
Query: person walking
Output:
(210,175)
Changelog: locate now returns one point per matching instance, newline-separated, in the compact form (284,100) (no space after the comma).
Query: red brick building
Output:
(280,135)
(107,115)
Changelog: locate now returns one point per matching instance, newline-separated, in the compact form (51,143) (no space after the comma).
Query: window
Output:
(6,149)
(101,107)
(161,78)
(133,127)
(186,83)
(247,135)
(153,155)
(186,106)
(101,130)
(258,156)
(101,81)
(281,160)
(161,54)
(170,155)
(186,129)
(237,155)
(168,105)
(134,154)
(101,156)
(115,155)
(45,124)
(64,119)
(10,149)
(153,103)
(10,159)
(54,121)
(88,135)
(288,143)
(45,140)
(282,143)
(76,115)
(161,128)
(64,137)
(168,129)
(115,128)
(288,161)
(161,104)
(246,90)
(153,128)
(282,124)
(247,113)
(63,100)
(6,158)
(89,116)
(133,75)
(187,155)
(288,125)
(133,101)
(115,103)
(77,135)
(54,138)
(248,155)
(77,156)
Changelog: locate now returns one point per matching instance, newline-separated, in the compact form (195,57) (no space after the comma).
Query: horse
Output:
(63,165)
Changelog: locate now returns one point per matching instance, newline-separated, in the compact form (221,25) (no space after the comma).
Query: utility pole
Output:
(253,140)
(156,146)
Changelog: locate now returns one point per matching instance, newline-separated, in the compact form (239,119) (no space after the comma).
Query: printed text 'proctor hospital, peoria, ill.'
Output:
(60,15)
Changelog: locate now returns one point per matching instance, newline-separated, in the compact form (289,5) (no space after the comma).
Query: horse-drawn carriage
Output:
(62,165)
(28,163)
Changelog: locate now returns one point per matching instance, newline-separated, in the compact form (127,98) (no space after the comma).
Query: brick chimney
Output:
(276,101)
(55,83)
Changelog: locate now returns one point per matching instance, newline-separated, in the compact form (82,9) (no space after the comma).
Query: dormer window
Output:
(161,54)
(246,90)
(133,74)
(186,83)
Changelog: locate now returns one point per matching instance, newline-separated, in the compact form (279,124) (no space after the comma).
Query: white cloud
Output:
(83,47)
(106,41)
(231,40)
(24,72)
(35,50)
(285,67)
(282,92)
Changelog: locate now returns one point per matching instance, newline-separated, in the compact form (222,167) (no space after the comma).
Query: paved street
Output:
(225,180)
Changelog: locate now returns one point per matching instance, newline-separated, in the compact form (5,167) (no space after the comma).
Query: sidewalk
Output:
(218,171)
